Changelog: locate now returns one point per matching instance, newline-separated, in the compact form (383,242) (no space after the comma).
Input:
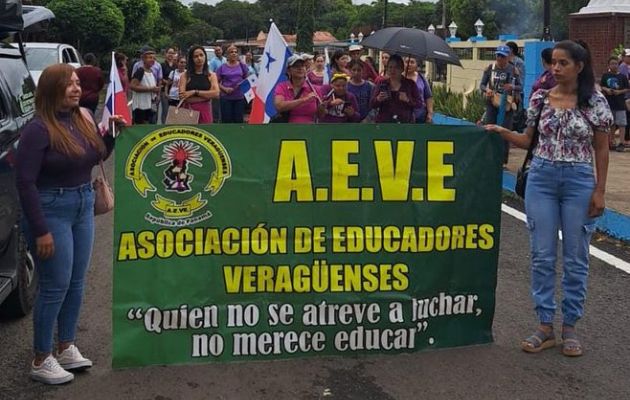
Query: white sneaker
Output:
(71,358)
(50,372)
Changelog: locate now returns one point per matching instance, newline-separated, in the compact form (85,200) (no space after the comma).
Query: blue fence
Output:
(612,223)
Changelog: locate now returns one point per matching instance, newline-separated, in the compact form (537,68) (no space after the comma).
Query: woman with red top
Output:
(338,63)
(297,96)
(316,75)
(92,82)
(197,86)
(395,96)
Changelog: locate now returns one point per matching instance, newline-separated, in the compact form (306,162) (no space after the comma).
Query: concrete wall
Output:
(472,54)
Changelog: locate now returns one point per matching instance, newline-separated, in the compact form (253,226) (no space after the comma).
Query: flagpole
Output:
(113,124)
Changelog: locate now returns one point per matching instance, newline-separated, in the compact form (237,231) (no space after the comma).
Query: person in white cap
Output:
(369,74)
(296,99)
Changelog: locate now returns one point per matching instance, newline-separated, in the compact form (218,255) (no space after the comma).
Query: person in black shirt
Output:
(169,64)
(615,86)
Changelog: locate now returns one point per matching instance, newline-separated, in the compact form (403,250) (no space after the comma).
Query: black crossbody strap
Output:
(534,142)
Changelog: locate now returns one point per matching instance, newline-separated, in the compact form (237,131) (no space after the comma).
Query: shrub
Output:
(451,104)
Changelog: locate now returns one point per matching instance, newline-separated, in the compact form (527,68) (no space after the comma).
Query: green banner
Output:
(265,242)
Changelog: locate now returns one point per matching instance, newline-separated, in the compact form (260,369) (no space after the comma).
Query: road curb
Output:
(612,223)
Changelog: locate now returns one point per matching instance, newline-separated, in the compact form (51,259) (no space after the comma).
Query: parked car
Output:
(41,55)
(18,279)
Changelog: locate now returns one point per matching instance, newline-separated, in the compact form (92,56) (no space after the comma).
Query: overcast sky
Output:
(252,1)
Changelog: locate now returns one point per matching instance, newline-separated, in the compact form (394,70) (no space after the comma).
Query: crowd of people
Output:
(398,93)
(568,129)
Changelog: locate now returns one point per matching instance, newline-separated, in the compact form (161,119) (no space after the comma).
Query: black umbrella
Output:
(413,42)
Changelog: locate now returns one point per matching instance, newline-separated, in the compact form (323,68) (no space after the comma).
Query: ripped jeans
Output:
(557,197)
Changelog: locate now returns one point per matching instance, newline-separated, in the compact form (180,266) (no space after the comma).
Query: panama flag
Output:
(115,100)
(327,70)
(273,67)
(247,87)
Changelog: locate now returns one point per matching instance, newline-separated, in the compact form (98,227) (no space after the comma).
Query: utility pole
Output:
(384,24)
(546,21)
(444,14)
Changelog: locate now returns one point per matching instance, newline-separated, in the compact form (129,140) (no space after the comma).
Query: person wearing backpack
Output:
(501,86)
(230,75)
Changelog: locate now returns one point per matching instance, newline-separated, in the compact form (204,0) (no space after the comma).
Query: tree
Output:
(141,17)
(337,17)
(95,26)
(283,12)
(560,10)
(305,26)
(196,33)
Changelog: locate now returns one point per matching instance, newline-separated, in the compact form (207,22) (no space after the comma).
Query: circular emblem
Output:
(178,158)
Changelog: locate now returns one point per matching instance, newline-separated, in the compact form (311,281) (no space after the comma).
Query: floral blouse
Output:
(567,134)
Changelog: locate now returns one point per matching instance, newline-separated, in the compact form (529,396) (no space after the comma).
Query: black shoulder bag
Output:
(283,117)
(521,175)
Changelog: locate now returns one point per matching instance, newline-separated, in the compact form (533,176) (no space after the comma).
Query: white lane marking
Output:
(595,252)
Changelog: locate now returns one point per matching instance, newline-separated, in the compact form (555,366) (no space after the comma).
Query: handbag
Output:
(103,193)
(178,116)
(283,117)
(523,171)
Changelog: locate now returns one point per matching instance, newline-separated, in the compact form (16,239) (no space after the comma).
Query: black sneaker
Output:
(620,148)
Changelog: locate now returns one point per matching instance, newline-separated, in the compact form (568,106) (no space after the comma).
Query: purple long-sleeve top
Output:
(392,106)
(39,166)
(336,114)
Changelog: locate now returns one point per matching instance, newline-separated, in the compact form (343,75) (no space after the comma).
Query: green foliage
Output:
(617,51)
(226,13)
(305,26)
(452,104)
(141,17)
(91,25)
(283,12)
(560,10)
(198,32)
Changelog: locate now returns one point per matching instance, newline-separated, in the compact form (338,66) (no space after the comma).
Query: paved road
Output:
(496,371)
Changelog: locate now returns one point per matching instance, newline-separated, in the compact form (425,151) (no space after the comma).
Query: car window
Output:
(73,56)
(66,56)
(38,59)
(19,84)
(3,111)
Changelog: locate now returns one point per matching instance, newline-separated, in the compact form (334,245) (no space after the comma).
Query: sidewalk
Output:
(618,183)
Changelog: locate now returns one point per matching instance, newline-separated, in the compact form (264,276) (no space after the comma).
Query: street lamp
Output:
(360,36)
(452,29)
(431,29)
(479,28)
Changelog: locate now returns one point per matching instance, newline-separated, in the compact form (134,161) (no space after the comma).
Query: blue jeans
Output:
(558,195)
(69,214)
(232,111)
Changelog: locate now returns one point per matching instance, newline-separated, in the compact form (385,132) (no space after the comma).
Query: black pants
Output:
(143,116)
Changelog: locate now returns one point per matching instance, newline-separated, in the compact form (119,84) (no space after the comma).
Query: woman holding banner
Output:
(572,122)
(55,157)
(197,86)
(296,99)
